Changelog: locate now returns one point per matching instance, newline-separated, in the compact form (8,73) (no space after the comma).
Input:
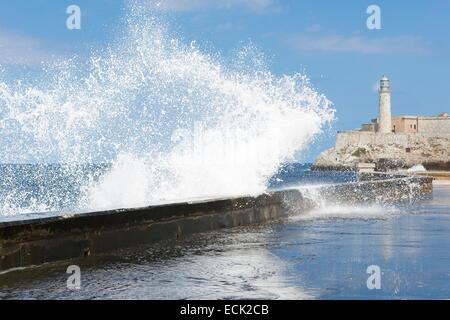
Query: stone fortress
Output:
(390,143)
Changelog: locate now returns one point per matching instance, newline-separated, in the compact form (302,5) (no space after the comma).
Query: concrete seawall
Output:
(33,242)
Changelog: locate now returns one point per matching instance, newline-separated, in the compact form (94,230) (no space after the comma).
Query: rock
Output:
(389,151)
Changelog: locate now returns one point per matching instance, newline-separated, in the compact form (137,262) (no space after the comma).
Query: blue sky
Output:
(327,38)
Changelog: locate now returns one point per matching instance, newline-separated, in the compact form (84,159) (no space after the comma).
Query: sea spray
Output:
(315,204)
(156,119)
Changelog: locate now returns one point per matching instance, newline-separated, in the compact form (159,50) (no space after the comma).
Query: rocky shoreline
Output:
(386,151)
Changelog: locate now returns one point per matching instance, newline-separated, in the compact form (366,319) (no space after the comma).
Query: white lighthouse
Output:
(385,121)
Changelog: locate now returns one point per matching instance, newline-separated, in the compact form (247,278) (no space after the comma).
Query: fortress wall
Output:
(358,138)
(401,140)
(434,125)
(404,124)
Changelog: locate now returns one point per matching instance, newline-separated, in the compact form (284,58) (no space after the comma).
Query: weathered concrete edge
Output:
(25,243)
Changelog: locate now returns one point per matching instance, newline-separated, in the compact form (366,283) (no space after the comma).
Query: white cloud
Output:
(16,49)
(187,5)
(314,43)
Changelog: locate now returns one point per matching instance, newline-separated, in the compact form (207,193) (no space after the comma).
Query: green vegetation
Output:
(359,152)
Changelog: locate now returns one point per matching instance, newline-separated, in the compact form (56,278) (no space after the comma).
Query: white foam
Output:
(174,121)
(325,208)
(347,212)
(417,168)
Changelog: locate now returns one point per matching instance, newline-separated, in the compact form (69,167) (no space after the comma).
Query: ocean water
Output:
(27,190)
